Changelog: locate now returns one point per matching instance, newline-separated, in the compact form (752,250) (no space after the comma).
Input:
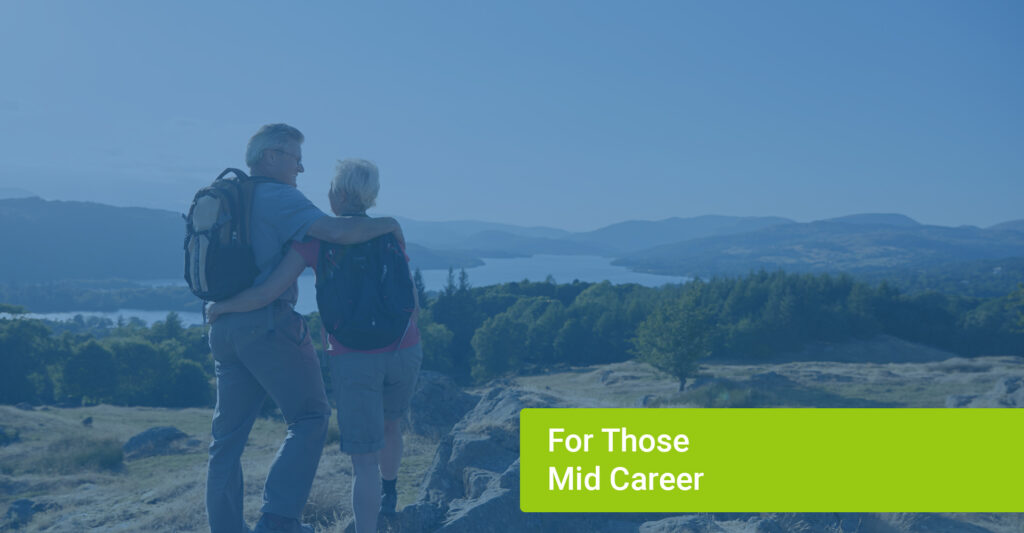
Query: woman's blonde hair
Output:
(358,180)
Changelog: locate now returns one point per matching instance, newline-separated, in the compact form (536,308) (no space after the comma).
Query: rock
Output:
(25,406)
(1007,392)
(646,399)
(87,422)
(20,512)
(437,404)
(771,381)
(959,400)
(9,436)
(810,523)
(10,486)
(476,481)
(473,483)
(767,523)
(683,524)
(931,523)
(699,381)
(487,438)
(161,440)
(473,486)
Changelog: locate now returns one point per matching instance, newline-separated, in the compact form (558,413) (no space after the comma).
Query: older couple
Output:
(262,346)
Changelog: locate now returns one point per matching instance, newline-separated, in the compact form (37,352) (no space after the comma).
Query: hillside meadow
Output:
(59,463)
(79,482)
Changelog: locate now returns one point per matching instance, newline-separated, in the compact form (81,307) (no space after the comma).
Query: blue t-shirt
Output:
(280,214)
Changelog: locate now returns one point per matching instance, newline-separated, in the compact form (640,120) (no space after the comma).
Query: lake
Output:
(563,268)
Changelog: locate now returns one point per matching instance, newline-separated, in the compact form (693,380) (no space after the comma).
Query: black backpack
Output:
(364,292)
(219,261)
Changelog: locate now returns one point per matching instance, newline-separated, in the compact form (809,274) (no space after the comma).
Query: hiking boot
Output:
(271,523)
(388,502)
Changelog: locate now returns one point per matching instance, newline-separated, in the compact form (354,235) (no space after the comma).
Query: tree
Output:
(22,343)
(499,345)
(437,342)
(545,321)
(91,374)
(143,372)
(571,342)
(170,328)
(421,288)
(449,286)
(1017,304)
(677,336)
(459,312)
(12,309)
(190,386)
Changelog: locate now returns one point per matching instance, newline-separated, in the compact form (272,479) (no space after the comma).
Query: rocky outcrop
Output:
(161,440)
(1007,392)
(9,436)
(21,512)
(481,449)
(930,523)
(473,483)
(437,404)
(810,523)
(473,486)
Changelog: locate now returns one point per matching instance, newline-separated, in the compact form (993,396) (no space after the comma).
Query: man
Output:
(268,351)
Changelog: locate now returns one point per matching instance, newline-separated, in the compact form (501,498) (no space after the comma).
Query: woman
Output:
(372,388)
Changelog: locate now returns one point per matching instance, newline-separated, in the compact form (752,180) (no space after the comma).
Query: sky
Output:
(566,114)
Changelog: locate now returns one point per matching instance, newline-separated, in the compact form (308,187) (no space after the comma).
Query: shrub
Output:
(75,454)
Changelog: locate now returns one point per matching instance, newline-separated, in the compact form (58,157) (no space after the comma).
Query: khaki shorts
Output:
(371,388)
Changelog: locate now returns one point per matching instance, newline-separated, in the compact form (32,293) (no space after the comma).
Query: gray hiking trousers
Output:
(258,353)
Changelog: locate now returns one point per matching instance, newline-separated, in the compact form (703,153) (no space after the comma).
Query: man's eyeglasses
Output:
(298,160)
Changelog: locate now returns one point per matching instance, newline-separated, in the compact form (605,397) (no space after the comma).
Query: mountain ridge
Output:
(59,240)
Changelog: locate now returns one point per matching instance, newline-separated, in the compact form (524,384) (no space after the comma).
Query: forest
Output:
(475,334)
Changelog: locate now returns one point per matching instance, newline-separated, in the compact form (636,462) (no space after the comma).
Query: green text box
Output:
(775,460)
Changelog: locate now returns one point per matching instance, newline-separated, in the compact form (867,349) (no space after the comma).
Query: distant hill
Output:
(453,234)
(502,240)
(51,240)
(427,259)
(895,220)
(636,235)
(55,240)
(980,278)
(503,244)
(1013,225)
(828,246)
(15,192)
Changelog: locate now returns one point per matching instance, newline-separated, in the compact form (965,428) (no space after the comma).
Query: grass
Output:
(8,436)
(80,473)
(801,384)
(72,455)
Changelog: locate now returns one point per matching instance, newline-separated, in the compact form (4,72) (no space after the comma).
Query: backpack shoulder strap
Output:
(242,176)
(246,187)
(238,173)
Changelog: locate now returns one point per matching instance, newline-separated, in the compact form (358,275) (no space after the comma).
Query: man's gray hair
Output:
(359,180)
(269,137)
